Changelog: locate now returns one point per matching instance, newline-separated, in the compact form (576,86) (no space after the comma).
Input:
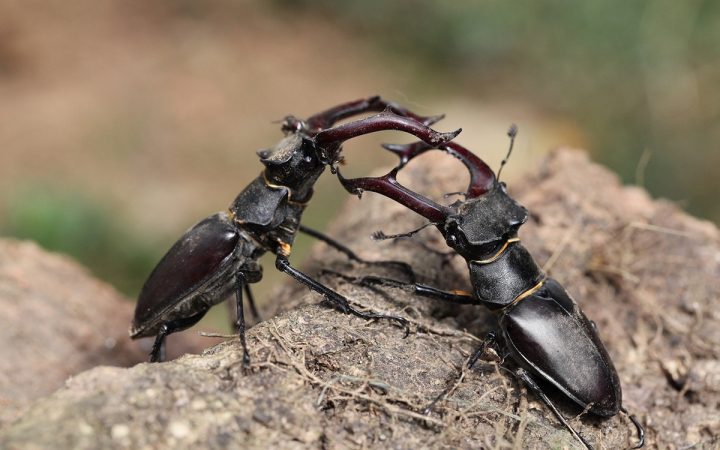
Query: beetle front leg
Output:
(337,300)
(423,290)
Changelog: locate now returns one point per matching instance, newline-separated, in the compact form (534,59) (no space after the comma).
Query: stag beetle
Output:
(220,254)
(542,328)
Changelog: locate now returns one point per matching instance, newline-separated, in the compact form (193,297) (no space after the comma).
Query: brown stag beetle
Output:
(541,328)
(220,254)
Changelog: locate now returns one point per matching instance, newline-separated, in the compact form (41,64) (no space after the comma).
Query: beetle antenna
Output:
(451,194)
(380,236)
(512,132)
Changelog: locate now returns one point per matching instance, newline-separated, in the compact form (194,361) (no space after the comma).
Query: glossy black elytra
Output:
(541,328)
(218,256)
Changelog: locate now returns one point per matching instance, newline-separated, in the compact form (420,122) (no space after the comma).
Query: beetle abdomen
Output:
(196,263)
(549,335)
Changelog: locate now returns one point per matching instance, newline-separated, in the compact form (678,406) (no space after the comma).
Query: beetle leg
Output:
(251,302)
(240,317)
(488,341)
(329,117)
(638,426)
(423,290)
(339,301)
(402,266)
(157,354)
(232,308)
(533,386)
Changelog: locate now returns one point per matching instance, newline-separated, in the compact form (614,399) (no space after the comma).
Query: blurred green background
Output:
(123,123)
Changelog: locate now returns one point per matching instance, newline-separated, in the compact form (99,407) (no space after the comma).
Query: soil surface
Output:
(57,320)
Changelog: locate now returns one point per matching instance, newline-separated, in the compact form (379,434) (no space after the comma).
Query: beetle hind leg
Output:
(489,341)
(535,388)
(157,354)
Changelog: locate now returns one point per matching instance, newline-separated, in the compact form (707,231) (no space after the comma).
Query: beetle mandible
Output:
(542,329)
(219,255)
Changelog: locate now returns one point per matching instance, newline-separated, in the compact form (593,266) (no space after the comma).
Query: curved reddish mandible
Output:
(482,177)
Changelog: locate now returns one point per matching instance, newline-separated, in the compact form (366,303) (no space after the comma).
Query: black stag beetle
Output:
(220,254)
(541,327)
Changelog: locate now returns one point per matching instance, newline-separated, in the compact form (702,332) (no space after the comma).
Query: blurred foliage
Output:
(641,78)
(72,223)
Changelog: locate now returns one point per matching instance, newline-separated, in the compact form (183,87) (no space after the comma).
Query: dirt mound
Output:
(644,271)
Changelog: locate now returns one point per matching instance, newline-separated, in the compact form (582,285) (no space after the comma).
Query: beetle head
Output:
(298,143)
(282,152)
(298,160)
(479,227)
(293,163)
(476,227)
(295,151)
